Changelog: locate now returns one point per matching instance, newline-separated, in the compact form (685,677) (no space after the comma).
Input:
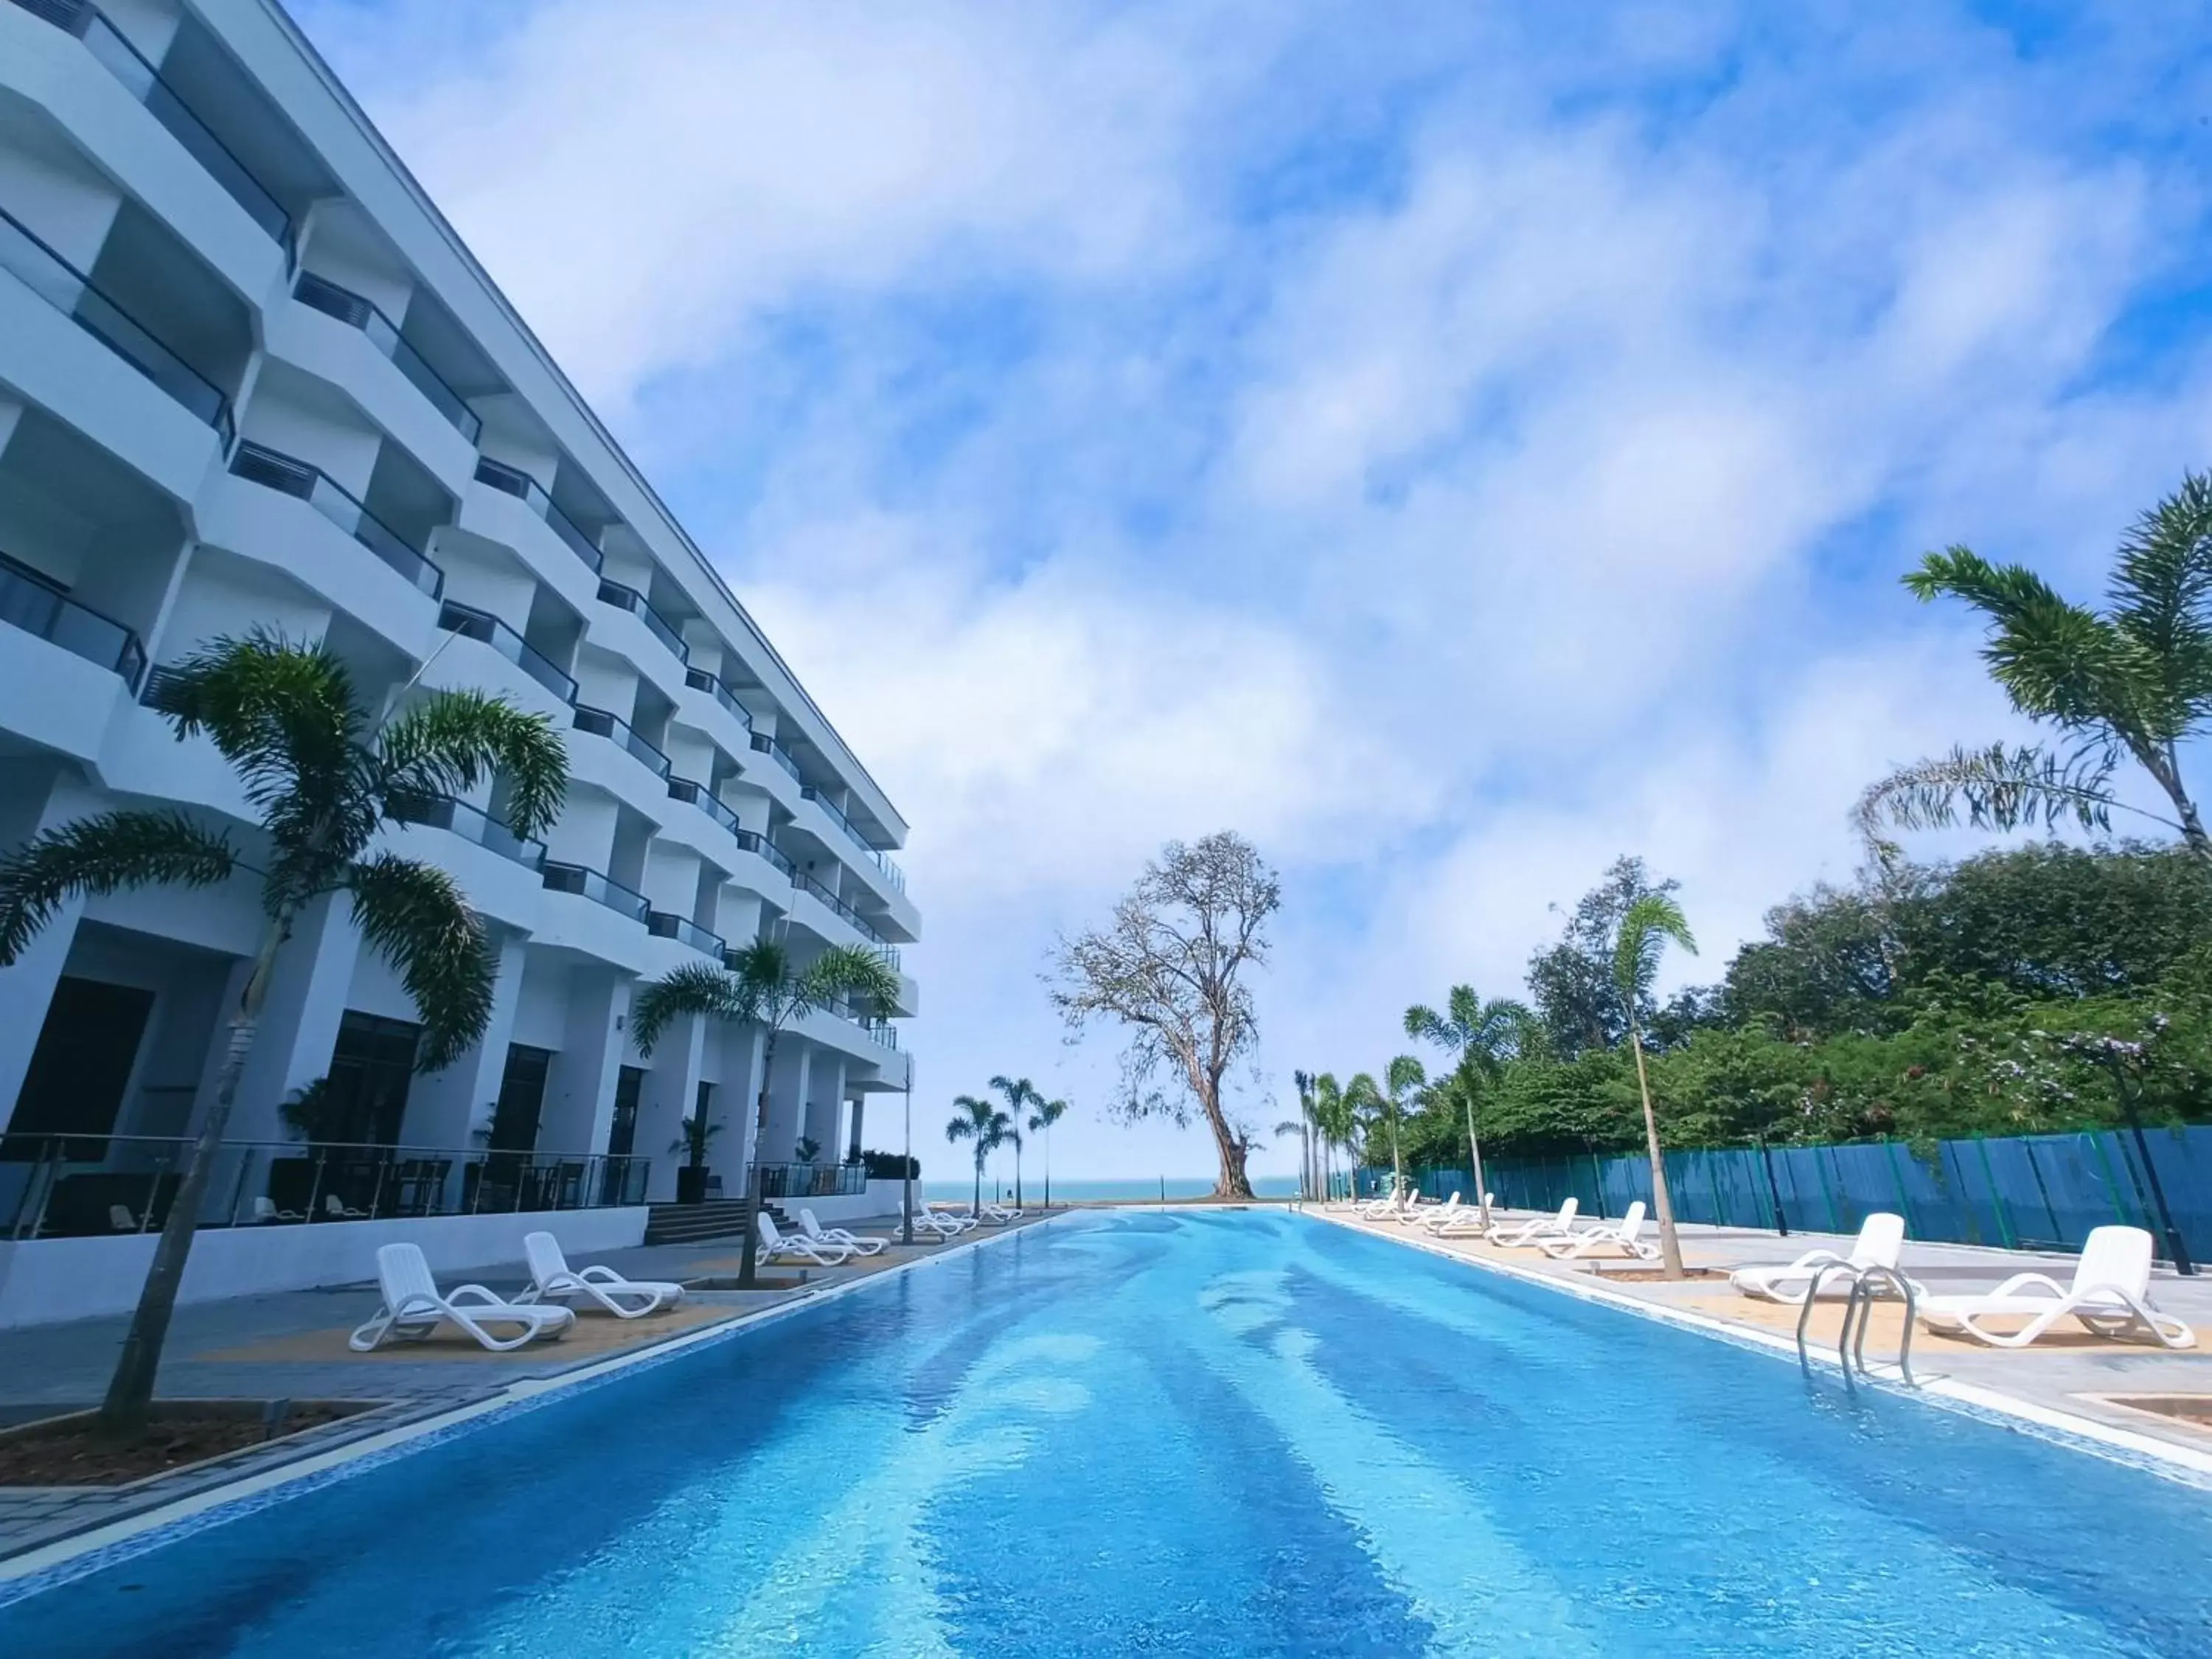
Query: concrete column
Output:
(860,1109)
(664,1099)
(737,1100)
(445,1108)
(787,1099)
(580,1087)
(299,1027)
(825,1096)
(26,985)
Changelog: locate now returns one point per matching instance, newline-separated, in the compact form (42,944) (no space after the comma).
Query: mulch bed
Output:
(64,1452)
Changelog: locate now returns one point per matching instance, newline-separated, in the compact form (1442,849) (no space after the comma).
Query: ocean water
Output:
(1163,1187)
(1190,1433)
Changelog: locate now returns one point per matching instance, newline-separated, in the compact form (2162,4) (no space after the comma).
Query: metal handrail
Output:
(1858,1314)
(292,1183)
(513,481)
(488,629)
(353,309)
(624,596)
(304,481)
(37,604)
(715,686)
(604,723)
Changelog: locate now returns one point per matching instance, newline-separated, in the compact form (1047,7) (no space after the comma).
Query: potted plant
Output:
(691,1176)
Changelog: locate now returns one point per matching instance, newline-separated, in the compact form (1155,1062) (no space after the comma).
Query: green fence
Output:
(2028,1191)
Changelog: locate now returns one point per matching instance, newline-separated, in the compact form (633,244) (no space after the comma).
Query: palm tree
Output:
(1309,1171)
(2133,681)
(1341,1112)
(327,774)
(1047,1113)
(1645,927)
(1019,1094)
(1484,1036)
(760,984)
(1402,1078)
(986,1125)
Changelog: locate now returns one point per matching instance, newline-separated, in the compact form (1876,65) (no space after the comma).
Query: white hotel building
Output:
(249,375)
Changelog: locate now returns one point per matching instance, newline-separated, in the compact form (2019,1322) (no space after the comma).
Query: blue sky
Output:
(1452,444)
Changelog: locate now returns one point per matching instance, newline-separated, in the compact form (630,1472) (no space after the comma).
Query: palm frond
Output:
(415,915)
(281,711)
(1998,789)
(1427,1025)
(1047,1113)
(763,967)
(851,973)
(2160,592)
(699,989)
(1645,927)
(103,854)
(2057,660)
(448,742)
(1405,1074)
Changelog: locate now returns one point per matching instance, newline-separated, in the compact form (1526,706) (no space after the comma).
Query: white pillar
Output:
(825,1095)
(579,1085)
(860,1110)
(665,1098)
(299,1027)
(445,1108)
(787,1099)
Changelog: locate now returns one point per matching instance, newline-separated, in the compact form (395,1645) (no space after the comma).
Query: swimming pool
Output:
(1193,1434)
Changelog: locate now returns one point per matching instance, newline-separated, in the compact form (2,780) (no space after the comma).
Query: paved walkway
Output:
(292,1346)
(2068,1369)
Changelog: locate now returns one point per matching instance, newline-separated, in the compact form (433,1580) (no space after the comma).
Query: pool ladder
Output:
(1867,1284)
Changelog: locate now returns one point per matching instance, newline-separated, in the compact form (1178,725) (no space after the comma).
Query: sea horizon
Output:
(1097,1189)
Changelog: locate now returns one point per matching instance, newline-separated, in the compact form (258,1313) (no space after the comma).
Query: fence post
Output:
(1773,1192)
(2043,1190)
(2007,1234)
(1828,1195)
(1897,1179)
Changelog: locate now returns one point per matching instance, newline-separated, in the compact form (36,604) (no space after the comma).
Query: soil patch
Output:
(2194,1410)
(64,1451)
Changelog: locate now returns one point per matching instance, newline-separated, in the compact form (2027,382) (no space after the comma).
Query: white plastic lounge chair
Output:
(266,1210)
(926,1221)
(120,1219)
(851,1240)
(959,1220)
(1623,1234)
(338,1211)
(551,1280)
(413,1308)
(2110,1296)
(1544,1227)
(997,1215)
(774,1244)
(1881,1240)
(1441,1215)
(1379,1209)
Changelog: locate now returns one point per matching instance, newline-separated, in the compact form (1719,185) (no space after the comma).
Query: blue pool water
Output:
(1191,1434)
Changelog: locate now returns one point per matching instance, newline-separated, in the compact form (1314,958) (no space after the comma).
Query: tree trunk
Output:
(1474,1157)
(124,1413)
(976,1209)
(1048,1169)
(1018,1174)
(1233,1182)
(1670,1247)
(748,1272)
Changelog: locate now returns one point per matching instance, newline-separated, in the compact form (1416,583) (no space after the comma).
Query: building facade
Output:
(250,377)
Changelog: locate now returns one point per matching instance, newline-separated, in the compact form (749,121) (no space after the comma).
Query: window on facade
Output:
(372,1066)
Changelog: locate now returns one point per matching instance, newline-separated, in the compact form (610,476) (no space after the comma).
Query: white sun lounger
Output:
(774,1244)
(926,1221)
(1880,1241)
(1544,1227)
(413,1308)
(997,1215)
(551,1280)
(852,1240)
(1624,1235)
(1439,1215)
(958,1220)
(2110,1295)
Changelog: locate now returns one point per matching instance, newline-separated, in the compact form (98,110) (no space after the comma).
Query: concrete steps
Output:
(692,1224)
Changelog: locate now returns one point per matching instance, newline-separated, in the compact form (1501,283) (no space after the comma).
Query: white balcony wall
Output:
(218,592)
(584,833)
(60,197)
(484,581)
(605,682)
(149,25)
(280,417)
(335,248)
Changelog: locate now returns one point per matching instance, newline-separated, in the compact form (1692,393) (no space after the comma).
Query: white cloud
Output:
(1535,499)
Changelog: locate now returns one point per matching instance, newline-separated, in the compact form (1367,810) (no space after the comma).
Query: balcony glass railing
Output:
(700,680)
(527,491)
(601,724)
(703,798)
(776,752)
(866,927)
(121,59)
(383,333)
(482,626)
(662,924)
(62,286)
(765,848)
(470,822)
(590,885)
(311,485)
(630,599)
(29,601)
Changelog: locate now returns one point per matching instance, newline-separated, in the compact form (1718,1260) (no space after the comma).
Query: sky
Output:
(1452,445)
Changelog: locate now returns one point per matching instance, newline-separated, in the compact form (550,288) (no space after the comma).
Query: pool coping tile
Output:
(96,1545)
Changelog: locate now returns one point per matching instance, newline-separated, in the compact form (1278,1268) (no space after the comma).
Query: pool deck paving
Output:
(292,1346)
(2068,1371)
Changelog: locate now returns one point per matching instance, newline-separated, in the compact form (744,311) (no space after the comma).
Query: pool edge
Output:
(64,1560)
(2183,1464)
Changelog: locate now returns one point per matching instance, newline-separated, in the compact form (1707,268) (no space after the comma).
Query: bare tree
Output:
(1167,967)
